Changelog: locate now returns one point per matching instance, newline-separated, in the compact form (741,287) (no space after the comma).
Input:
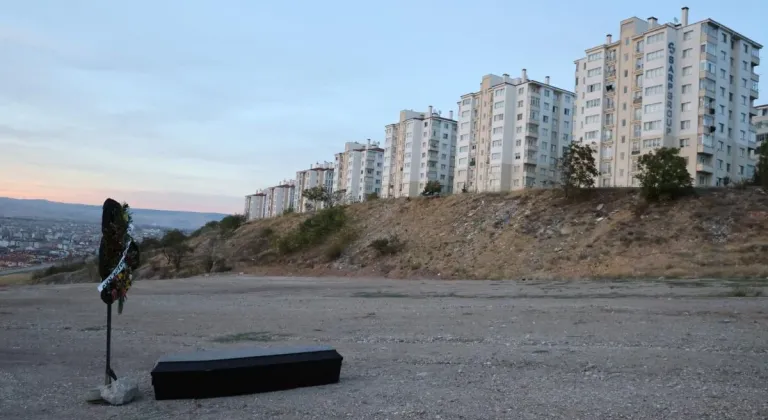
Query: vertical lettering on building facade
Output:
(670,84)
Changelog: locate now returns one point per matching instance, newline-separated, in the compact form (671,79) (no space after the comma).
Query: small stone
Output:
(120,392)
(93,395)
(600,207)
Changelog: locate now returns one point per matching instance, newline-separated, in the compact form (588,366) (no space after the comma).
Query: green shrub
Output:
(387,246)
(314,230)
(231,223)
(663,174)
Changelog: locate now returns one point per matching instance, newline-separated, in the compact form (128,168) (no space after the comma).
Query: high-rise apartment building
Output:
(255,206)
(511,134)
(358,170)
(419,148)
(685,85)
(279,198)
(318,175)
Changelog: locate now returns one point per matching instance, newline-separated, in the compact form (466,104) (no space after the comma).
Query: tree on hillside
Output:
(174,247)
(231,223)
(316,195)
(336,198)
(761,170)
(432,188)
(577,168)
(663,174)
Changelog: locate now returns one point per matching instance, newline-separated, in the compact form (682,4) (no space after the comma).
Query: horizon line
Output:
(100,205)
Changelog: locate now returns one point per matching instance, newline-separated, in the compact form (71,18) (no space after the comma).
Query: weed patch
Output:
(313,231)
(388,246)
(258,336)
(743,291)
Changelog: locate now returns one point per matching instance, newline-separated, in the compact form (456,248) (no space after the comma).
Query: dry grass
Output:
(15,279)
(536,234)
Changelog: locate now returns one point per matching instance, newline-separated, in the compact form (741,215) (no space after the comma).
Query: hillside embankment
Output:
(535,234)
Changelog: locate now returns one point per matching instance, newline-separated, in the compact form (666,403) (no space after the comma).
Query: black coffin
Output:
(243,371)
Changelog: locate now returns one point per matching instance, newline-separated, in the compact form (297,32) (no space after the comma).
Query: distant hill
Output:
(44,209)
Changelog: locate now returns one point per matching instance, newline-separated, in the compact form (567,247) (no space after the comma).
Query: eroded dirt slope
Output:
(534,234)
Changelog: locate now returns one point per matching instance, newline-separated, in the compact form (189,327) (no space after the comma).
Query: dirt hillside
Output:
(607,233)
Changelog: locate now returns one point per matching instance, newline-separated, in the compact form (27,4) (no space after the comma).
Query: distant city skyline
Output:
(186,105)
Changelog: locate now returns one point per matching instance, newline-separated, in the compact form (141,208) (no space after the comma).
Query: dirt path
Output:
(413,349)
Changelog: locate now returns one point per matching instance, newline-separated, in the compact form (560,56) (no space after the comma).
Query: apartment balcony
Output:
(711,57)
(637,100)
(705,145)
(610,106)
(609,58)
(635,152)
(529,159)
(752,112)
(531,148)
(610,75)
(705,167)
(707,37)
(753,94)
(755,77)
(639,68)
(755,59)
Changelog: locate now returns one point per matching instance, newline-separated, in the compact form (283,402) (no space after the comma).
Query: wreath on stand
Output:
(118,253)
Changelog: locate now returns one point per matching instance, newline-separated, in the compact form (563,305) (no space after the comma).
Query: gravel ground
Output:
(412,349)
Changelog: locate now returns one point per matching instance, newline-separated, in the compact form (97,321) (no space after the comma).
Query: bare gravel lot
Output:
(412,349)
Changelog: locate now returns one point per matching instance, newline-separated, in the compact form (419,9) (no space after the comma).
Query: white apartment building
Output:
(359,170)
(691,86)
(255,206)
(511,134)
(318,175)
(419,148)
(279,198)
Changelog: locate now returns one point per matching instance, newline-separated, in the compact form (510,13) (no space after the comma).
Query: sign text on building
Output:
(670,84)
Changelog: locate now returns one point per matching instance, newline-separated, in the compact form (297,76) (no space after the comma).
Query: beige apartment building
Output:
(512,132)
(318,175)
(419,148)
(685,85)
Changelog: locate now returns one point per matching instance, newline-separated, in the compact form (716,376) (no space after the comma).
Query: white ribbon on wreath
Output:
(121,265)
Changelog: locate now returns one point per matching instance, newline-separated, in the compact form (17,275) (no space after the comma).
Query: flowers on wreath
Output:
(126,257)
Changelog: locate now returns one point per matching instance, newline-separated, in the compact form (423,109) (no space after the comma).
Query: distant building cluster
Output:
(27,242)
(691,86)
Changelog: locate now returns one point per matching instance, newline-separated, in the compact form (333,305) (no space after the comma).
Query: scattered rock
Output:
(93,396)
(120,392)
(600,207)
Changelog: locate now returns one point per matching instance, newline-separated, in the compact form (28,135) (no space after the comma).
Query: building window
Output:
(655,55)
(652,125)
(685,125)
(687,52)
(654,90)
(654,38)
(651,73)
